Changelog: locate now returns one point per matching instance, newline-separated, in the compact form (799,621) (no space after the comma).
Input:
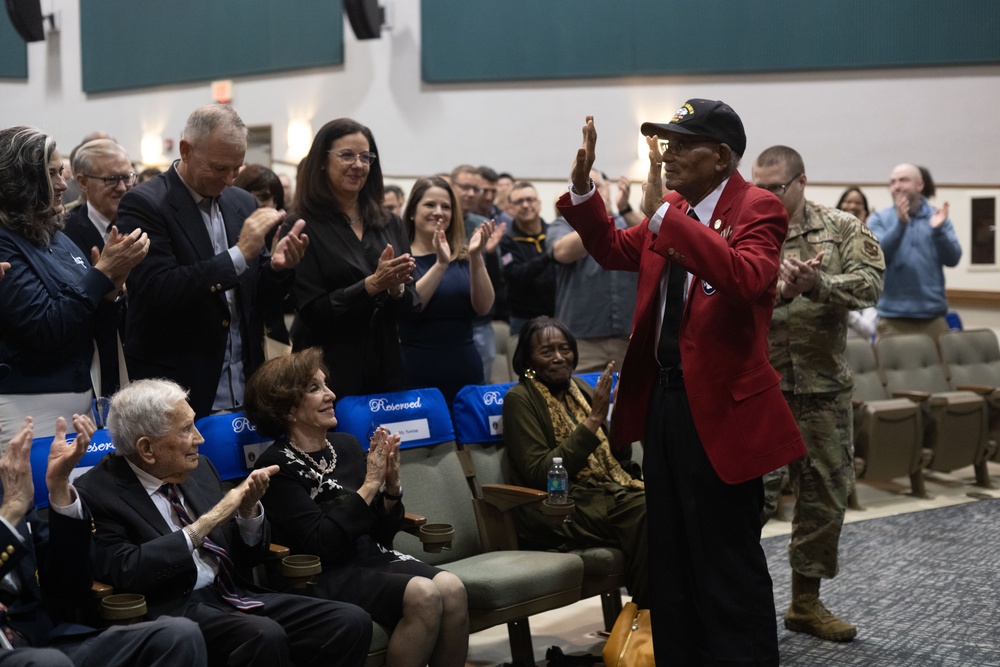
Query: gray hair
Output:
(142,408)
(734,162)
(87,155)
(26,192)
(211,119)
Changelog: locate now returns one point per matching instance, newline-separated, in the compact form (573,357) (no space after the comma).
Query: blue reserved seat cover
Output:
(478,409)
(479,413)
(420,416)
(99,445)
(591,379)
(232,443)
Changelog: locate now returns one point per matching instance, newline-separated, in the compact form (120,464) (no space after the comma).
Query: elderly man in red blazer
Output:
(696,382)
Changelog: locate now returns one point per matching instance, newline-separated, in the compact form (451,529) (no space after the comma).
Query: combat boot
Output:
(807,613)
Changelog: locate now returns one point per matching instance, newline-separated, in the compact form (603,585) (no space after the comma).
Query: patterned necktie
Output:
(224,579)
(668,350)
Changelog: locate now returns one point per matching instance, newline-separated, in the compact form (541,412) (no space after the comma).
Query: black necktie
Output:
(668,350)
(224,579)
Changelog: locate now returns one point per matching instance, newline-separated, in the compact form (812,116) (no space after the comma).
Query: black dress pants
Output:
(711,596)
(287,630)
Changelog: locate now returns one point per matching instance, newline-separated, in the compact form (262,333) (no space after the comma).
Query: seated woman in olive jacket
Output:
(330,500)
(549,413)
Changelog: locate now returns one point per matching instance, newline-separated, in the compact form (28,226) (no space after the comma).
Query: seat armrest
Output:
(278,551)
(412,522)
(981,389)
(857,403)
(506,496)
(915,396)
(99,589)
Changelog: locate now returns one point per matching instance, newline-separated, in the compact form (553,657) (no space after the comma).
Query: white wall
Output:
(851,127)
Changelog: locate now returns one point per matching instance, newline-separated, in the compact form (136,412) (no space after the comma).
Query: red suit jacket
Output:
(741,416)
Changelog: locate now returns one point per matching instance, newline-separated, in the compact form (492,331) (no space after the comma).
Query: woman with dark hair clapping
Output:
(354,281)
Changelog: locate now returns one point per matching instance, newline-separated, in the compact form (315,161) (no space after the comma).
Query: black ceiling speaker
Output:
(365,16)
(26,15)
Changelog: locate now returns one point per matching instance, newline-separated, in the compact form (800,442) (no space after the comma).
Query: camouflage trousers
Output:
(821,481)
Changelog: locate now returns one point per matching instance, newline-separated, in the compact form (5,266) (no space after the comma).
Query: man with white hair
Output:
(195,302)
(104,173)
(163,528)
(918,241)
(45,569)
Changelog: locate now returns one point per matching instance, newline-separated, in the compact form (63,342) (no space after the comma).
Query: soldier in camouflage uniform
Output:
(830,264)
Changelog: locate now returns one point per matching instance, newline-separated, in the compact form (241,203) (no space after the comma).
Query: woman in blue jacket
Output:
(50,296)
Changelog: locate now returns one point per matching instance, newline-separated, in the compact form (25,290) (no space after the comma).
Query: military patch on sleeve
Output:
(872,249)
(867,232)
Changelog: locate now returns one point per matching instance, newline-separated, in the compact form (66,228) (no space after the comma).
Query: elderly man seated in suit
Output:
(45,568)
(165,529)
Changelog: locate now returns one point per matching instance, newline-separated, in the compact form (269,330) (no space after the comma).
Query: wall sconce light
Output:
(151,148)
(300,136)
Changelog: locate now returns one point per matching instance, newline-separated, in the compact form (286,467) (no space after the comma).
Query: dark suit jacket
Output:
(81,230)
(742,418)
(52,563)
(110,315)
(136,551)
(178,318)
(357,331)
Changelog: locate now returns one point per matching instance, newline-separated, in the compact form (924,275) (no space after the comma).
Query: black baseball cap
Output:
(704,118)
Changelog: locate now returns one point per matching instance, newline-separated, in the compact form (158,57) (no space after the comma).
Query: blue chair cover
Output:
(99,445)
(232,443)
(479,412)
(420,416)
(591,379)
(478,409)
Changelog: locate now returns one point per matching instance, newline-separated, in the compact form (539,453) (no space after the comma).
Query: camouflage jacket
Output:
(808,333)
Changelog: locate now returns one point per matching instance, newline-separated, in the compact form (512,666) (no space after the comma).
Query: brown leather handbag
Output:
(631,640)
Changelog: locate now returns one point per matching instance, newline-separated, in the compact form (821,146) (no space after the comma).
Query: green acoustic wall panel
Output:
(148,43)
(13,50)
(545,39)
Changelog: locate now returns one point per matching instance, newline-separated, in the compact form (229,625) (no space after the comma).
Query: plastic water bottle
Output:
(558,483)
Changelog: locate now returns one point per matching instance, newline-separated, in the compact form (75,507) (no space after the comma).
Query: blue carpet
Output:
(923,589)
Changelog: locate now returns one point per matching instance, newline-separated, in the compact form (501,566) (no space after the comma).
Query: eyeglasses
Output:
(779,189)
(469,187)
(348,157)
(678,146)
(523,201)
(113,181)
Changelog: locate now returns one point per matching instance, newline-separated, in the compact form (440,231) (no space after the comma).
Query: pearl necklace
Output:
(322,466)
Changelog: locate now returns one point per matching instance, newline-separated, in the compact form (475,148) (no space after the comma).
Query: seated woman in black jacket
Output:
(330,500)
